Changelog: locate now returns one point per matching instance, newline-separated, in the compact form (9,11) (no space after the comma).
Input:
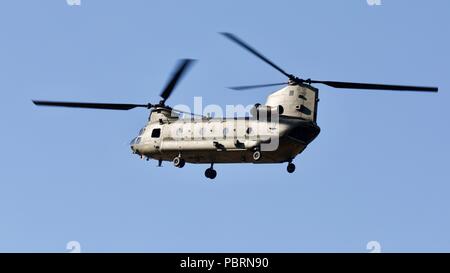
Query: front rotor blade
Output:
(371,86)
(246,87)
(90,105)
(181,68)
(238,41)
(185,112)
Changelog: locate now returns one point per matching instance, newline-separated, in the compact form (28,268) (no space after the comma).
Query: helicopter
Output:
(276,132)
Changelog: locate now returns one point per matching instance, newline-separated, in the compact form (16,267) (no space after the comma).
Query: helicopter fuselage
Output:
(279,130)
(226,140)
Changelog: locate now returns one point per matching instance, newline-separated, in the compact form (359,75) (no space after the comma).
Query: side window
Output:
(156,133)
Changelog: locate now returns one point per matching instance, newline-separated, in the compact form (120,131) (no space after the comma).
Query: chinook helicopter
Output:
(276,132)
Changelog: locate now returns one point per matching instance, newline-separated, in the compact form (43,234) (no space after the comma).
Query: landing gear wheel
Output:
(179,162)
(256,155)
(213,174)
(182,163)
(210,173)
(291,168)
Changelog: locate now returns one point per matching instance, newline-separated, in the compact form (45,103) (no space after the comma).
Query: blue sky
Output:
(378,170)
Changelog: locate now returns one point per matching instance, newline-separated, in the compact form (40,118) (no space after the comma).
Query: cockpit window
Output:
(141,131)
(132,141)
(156,133)
(135,140)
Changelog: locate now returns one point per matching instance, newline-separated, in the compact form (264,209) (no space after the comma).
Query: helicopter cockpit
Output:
(137,140)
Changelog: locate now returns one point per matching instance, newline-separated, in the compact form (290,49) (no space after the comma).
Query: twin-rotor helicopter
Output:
(276,132)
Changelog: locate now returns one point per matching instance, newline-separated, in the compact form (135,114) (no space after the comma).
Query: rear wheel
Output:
(291,168)
(210,173)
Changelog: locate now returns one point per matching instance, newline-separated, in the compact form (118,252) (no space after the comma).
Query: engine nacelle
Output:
(260,111)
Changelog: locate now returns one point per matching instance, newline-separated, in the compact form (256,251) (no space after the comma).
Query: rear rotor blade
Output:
(370,86)
(90,105)
(238,41)
(246,87)
(180,70)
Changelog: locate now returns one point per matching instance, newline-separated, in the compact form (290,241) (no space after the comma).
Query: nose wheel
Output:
(291,167)
(210,172)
